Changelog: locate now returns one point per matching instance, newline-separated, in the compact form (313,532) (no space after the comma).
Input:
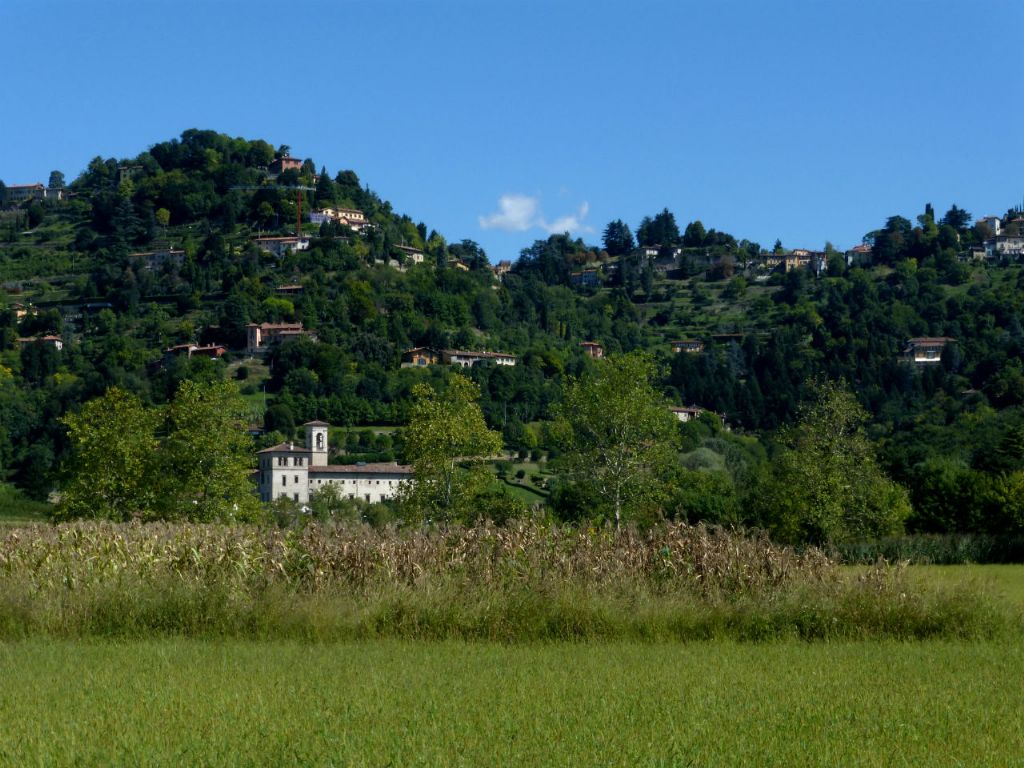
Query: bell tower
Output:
(316,442)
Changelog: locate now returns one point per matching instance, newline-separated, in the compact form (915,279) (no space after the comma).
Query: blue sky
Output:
(499,122)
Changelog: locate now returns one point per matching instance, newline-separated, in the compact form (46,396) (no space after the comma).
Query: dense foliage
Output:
(950,432)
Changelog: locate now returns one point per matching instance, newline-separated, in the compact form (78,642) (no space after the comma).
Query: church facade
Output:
(297,472)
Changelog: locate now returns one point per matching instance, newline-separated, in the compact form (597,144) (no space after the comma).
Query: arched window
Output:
(320,441)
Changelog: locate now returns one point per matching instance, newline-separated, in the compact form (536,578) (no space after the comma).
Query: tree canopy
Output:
(618,436)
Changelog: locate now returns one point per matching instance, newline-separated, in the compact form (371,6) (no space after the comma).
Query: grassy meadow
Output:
(166,644)
(241,703)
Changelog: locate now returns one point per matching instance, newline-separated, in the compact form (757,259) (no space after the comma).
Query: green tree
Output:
(617,239)
(56,180)
(661,230)
(207,457)
(447,443)
(826,485)
(111,467)
(617,436)
(694,235)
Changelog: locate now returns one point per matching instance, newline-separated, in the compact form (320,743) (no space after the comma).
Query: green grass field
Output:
(182,702)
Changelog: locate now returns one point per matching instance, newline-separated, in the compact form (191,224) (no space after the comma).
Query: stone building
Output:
(297,472)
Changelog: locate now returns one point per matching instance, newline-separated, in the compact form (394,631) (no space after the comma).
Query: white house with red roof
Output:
(297,472)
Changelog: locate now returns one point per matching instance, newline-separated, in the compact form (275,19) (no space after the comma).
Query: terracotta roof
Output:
(463,353)
(930,340)
(378,468)
(316,424)
(276,326)
(285,448)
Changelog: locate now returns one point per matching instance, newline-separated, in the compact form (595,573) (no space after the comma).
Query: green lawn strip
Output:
(17,509)
(525,493)
(179,702)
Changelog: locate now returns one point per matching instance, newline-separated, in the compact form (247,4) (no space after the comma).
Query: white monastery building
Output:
(289,471)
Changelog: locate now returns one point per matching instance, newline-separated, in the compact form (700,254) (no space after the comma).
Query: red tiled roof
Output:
(379,468)
(285,448)
(463,353)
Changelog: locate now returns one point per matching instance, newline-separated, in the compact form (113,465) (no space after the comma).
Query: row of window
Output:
(284,495)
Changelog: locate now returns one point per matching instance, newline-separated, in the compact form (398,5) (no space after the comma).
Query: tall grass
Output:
(524,581)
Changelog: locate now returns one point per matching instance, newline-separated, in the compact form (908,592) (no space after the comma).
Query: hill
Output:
(148,270)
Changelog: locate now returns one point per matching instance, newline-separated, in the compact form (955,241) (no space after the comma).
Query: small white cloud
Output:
(570,222)
(516,213)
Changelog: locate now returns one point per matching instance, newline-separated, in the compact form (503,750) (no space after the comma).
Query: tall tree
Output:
(661,230)
(694,235)
(618,239)
(957,218)
(111,467)
(56,180)
(826,485)
(207,457)
(446,442)
(618,435)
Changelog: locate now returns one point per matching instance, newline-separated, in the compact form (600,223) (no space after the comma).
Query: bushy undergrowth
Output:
(525,581)
(936,549)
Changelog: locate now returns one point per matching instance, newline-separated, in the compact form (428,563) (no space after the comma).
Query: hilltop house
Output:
(859,256)
(19,193)
(592,348)
(296,473)
(286,163)
(994,223)
(1004,246)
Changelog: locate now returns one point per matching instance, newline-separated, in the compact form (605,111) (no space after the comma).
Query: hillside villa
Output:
(211,351)
(258,337)
(352,218)
(687,413)
(54,341)
(418,356)
(282,164)
(279,246)
(691,346)
(924,350)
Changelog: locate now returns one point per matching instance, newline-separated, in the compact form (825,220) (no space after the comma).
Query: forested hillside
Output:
(140,255)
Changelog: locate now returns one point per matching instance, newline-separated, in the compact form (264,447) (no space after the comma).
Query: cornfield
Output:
(521,581)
